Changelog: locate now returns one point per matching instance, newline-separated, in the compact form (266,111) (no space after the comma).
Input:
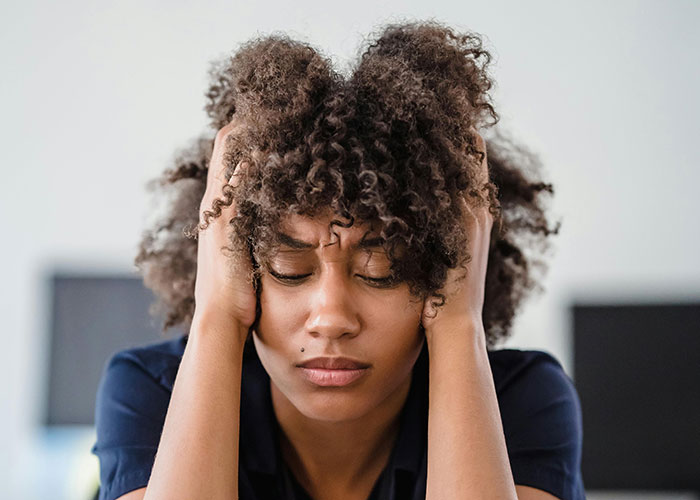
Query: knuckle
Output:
(220,135)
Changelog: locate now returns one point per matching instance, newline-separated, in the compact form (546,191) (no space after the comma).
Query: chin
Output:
(333,406)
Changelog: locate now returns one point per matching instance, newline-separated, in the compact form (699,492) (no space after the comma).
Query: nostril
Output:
(333,325)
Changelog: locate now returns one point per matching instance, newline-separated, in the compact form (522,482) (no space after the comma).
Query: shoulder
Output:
(509,365)
(137,383)
(542,421)
(134,392)
(532,384)
(530,375)
(132,400)
(158,360)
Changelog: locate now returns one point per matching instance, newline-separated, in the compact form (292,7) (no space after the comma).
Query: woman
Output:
(343,341)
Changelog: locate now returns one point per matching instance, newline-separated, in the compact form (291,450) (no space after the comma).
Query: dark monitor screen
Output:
(637,372)
(91,318)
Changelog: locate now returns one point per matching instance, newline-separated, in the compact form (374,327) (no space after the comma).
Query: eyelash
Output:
(291,278)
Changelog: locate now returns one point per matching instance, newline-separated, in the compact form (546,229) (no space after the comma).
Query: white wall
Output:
(95,97)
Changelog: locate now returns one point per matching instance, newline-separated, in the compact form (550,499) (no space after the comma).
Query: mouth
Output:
(333,372)
(339,363)
(332,377)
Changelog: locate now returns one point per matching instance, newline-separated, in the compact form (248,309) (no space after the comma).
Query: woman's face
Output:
(335,309)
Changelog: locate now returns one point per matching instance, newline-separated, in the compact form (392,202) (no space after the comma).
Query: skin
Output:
(199,443)
(337,437)
(335,440)
(467,454)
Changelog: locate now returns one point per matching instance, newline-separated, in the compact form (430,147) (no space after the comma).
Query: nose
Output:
(332,312)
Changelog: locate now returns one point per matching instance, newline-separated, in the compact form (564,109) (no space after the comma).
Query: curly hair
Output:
(393,142)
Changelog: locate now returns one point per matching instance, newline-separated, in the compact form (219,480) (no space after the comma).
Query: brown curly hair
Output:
(391,143)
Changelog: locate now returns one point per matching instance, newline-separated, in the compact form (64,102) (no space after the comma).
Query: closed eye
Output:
(383,282)
(288,277)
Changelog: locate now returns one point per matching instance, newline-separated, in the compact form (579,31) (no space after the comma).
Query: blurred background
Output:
(96,97)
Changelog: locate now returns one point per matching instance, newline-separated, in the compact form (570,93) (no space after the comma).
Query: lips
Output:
(334,364)
(332,378)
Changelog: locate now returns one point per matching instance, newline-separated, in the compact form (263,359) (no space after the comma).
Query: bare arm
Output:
(467,454)
(197,454)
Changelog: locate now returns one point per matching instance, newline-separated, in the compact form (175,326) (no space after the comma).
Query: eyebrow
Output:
(287,240)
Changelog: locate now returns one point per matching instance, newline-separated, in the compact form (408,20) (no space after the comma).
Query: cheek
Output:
(393,313)
(273,336)
(280,314)
(394,328)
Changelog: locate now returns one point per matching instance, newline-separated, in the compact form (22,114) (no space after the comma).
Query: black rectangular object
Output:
(91,318)
(637,372)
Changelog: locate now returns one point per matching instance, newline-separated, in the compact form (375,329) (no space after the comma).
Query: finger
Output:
(484,166)
(216,193)
(483,174)
(238,172)
(469,219)
(476,219)
(217,165)
(230,210)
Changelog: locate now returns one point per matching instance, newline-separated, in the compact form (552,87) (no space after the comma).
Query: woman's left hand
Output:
(464,291)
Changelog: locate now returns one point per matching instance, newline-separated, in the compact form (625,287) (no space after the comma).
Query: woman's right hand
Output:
(224,295)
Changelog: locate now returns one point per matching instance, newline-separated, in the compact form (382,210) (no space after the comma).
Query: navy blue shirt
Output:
(539,407)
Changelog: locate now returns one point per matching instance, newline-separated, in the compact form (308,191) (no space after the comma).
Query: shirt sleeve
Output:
(130,412)
(542,423)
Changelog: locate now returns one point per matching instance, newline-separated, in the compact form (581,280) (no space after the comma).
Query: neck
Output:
(338,456)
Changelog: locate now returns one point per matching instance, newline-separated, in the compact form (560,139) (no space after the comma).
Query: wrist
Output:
(443,331)
(209,325)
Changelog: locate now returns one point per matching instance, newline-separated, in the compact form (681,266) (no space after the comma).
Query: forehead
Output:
(317,231)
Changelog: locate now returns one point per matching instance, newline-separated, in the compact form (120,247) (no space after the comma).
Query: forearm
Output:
(198,452)
(467,454)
